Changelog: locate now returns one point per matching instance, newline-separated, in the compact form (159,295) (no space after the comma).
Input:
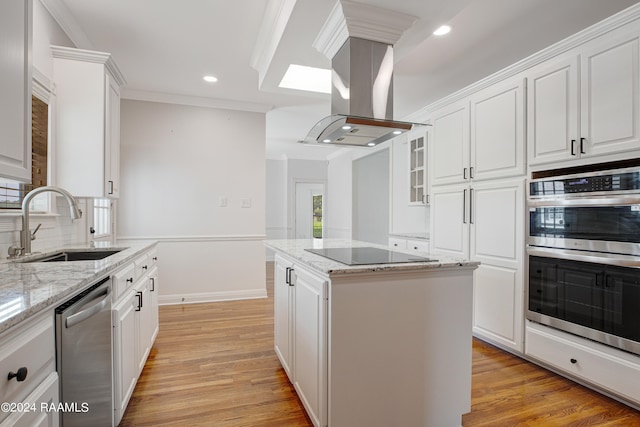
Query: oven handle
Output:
(605,201)
(593,257)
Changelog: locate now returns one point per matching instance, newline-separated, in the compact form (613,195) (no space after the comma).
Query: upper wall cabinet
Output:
(418,184)
(586,103)
(87,122)
(481,137)
(15,87)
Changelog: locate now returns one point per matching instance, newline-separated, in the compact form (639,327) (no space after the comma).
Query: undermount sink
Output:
(77,255)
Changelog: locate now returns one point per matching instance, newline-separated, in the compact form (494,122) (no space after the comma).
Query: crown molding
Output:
(41,86)
(61,14)
(193,101)
(272,28)
(608,24)
(353,19)
(90,56)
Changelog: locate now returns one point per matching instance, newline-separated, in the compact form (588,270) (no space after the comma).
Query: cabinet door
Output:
(45,393)
(450,144)
(112,139)
(144,326)
(418,168)
(552,111)
(610,102)
(449,220)
(497,242)
(310,359)
(153,305)
(497,131)
(283,315)
(124,352)
(15,87)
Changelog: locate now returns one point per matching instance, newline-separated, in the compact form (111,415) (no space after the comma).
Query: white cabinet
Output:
(481,137)
(450,144)
(283,314)
(124,352)
(413,244)
(485,222)
(15,87)
(418,182)
(300,334)
(135,320)
(27,361)
(87,122)
(310,344)
(586,103)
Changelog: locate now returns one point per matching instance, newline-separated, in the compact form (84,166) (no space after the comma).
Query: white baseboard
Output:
(195,298)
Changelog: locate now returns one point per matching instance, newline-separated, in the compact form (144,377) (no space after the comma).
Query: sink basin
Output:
(77,255)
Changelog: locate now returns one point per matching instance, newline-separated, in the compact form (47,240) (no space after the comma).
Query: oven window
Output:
(601,297)
(608,223)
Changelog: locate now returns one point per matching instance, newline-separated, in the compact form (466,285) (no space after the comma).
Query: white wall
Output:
(46,32)
(339,195)
(371,198)
(177,164)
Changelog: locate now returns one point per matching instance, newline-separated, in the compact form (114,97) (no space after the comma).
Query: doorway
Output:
(308,212)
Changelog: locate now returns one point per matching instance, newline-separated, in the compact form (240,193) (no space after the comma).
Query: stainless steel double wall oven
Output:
(583,248)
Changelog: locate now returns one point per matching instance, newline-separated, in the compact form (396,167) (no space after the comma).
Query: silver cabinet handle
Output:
(471,206)
(464,206)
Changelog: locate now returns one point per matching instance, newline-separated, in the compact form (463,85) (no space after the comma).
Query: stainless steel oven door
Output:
(602,224)
(589,294)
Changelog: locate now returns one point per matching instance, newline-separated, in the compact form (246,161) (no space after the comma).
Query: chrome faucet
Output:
(25,235)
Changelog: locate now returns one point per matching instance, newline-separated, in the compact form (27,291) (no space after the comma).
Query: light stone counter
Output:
(27,289)
(296,249)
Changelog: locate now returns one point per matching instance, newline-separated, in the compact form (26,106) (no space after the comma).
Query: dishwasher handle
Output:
(94,309)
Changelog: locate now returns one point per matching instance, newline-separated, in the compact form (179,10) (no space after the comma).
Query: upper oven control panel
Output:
(583,184)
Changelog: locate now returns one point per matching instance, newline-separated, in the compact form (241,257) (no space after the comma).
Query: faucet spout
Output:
(25,234)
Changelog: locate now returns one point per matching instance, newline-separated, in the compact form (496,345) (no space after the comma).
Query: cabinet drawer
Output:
(593,362)
(418,245)
(45,393)
(31,346)
(153,257)
(142,266)
(123,280)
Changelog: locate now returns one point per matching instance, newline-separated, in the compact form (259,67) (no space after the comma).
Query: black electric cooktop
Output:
(367,255)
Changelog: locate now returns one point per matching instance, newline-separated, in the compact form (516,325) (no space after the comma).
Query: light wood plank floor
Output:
(213,365)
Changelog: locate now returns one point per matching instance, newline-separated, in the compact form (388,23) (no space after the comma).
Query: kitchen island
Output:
(374,344)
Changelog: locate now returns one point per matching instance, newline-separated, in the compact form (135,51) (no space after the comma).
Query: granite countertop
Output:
(296,249)
(421,236)
(28,288)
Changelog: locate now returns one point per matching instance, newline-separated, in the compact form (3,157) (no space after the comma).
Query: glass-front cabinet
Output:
(418,190)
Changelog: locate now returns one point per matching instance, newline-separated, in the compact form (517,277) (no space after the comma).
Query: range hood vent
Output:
(361,98)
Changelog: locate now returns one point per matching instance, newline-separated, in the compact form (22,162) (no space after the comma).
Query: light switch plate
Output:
(223,202)
(245,203)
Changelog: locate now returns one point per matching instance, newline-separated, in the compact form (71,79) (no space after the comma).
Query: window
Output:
(317,216)
(101,218)
(12,192)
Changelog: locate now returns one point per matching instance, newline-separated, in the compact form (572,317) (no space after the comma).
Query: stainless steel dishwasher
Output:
(83,357)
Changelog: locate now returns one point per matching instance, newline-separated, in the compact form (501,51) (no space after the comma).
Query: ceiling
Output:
(165,47)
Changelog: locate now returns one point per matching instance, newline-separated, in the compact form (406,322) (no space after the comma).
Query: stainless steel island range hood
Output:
(361,97)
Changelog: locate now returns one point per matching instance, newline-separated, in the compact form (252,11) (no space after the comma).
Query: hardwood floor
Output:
(213,365)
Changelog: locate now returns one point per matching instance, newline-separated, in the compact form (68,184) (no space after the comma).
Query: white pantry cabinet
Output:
(586,103)
(87,122)
(481,137)
(300,316)
(485,222)
(15,87)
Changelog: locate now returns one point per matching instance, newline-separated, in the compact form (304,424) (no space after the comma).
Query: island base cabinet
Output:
(310,361)
(400,348)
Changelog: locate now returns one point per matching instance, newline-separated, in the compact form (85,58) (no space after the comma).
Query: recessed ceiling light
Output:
(397,132)
(307,78)
(371,144)
(210,79)
(326,140)
(444,29)
(346,127)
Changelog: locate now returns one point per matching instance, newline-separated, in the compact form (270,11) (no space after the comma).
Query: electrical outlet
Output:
(245,203)
(223,202)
